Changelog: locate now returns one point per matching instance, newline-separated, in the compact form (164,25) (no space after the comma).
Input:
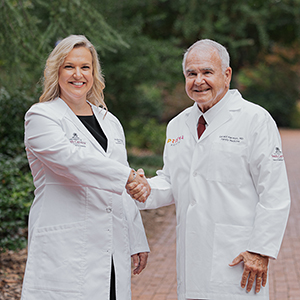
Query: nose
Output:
(77,73)
(199,79)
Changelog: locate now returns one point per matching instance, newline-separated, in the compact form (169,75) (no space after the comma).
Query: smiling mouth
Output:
(77,83)
(201,91)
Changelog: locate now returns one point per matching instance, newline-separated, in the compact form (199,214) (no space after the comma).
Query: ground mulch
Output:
(12,266)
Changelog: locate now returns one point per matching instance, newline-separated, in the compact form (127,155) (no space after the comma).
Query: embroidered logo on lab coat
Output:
(176,141)
(277,155)
(77,141)
(119,142)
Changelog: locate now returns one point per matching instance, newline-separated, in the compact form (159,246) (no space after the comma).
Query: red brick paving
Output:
(158,280)
(285,271)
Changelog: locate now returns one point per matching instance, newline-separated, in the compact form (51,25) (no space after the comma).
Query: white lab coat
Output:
(231,194)
(81,215)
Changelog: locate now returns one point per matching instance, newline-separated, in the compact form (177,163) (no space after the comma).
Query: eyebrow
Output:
(202,69)
(84,64)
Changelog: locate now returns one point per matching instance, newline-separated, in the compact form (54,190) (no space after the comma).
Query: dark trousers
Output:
(113,282)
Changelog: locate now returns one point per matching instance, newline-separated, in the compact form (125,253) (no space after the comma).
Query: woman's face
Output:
(75,75)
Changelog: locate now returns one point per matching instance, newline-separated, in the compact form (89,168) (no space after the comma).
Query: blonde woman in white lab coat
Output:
(83,227)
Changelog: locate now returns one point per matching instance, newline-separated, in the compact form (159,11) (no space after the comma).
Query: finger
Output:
(137,191)
(143,260)
(264,279)
(251,280)
(258,282)
(142,263)
(244,278)
(135,260)
(140,192)
(141,172)
(131,185)
(142,198)
(236,261)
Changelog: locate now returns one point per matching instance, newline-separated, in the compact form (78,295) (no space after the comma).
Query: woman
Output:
(83,227)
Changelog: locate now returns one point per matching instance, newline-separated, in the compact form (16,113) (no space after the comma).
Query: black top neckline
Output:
(93,126)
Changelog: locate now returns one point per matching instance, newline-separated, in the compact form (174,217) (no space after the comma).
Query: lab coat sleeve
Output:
(137,237)
(46,139)
(270,179)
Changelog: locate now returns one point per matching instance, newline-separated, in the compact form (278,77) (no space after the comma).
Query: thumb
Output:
(135,260)
(236,261)
(141,172)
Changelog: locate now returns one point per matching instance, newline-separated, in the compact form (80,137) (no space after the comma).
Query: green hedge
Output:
(16,195)
(16,186)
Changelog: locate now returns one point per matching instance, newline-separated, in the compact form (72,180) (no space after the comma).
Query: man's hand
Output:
(139,188)
(255,267)
(139,261)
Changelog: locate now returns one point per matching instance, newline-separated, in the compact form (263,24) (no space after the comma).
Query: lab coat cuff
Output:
(263,252)
(140,249)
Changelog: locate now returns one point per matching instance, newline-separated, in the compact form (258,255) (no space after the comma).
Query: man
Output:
(229,184)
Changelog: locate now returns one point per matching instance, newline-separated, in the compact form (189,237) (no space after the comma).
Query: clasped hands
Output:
(137,186)
(255,269)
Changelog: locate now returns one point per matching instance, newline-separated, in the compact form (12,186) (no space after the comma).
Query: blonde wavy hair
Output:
(57,57)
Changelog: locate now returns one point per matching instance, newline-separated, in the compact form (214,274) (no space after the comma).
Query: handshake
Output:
(137,186)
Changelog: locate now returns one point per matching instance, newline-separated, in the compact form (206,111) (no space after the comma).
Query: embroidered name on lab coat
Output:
(232,139)
(77,141)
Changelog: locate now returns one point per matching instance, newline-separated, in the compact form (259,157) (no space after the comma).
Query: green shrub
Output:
(273,84)
(16,195)
(149,163)
(146,134)
(16,186)
(12,110)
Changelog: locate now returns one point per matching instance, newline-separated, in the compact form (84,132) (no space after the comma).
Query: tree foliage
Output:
(30,29)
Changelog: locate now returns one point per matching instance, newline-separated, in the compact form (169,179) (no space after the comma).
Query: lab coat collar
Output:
(216,116)
(65,111)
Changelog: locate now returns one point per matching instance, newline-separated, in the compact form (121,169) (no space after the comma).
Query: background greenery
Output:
(140,43)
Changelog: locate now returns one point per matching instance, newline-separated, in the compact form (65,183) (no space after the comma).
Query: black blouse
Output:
(91,123)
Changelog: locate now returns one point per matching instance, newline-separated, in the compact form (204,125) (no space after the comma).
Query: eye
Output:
(207,72)
(191,74)
(68,67)
(86,67)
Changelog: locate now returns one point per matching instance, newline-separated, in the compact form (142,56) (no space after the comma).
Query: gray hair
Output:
(209,44)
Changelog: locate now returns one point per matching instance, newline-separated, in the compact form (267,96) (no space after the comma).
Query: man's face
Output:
(205,82)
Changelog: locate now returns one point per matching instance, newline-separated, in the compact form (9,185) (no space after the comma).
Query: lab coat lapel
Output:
(75,120)
(191,120)
(222,117)
(224,113)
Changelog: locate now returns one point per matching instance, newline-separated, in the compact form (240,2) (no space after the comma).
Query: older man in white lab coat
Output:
(228,183)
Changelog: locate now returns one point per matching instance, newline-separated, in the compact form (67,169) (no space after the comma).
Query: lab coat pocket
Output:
(59,258)
(229,242)
(226,162)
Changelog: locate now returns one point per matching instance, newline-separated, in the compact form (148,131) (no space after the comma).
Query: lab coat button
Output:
(195,174)
(108,209)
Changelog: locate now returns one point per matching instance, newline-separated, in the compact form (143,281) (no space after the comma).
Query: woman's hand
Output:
(139,262)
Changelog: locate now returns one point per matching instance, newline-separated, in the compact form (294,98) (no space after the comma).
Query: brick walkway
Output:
(158,281)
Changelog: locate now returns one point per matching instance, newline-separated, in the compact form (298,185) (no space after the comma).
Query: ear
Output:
(227,74)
